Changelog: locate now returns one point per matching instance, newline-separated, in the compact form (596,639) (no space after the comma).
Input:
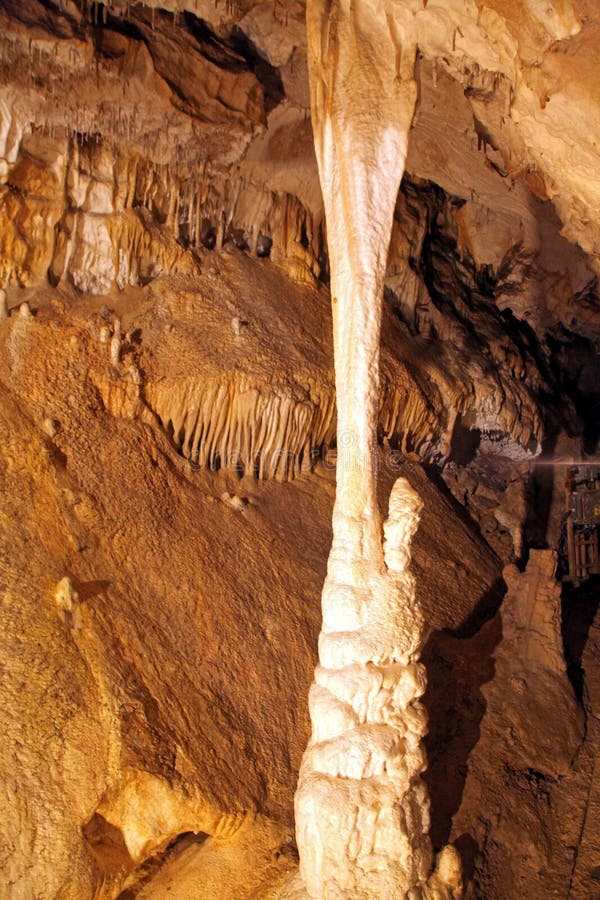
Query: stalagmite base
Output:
(362,813)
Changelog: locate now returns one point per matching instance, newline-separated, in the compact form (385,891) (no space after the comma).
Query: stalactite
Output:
(233,422)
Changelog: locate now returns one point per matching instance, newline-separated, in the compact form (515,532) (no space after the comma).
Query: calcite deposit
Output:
(361,810)
(280,281)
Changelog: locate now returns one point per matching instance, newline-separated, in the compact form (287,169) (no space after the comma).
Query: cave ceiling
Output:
(137,137)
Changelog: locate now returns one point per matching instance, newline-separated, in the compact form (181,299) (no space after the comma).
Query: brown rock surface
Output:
(160,212)
(164,691)
(519,742)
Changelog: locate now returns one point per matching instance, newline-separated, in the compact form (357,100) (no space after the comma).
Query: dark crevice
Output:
(264,244)
(121,25)
(579,606)
(464,443)
(322,256)
(576,363)
(457,669)
(152,866)
(265,73)
(221,53)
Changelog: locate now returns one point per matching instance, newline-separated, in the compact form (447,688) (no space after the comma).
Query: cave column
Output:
(361,807)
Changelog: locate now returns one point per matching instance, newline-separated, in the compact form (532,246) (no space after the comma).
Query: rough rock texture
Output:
(584,653)
(145,700)
(164,305)
(532,729)
(106,695)
(119,164)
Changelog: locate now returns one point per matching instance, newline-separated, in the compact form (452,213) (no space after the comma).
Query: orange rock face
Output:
(168,421)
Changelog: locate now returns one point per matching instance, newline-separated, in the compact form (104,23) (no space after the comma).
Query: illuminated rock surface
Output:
(168,420)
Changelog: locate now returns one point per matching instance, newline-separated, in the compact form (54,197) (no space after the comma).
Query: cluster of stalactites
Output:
(235,424)
(211,207)
(272,431)
(277,432)
(109,219)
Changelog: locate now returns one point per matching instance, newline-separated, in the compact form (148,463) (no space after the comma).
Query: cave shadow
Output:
(591,430)
(87,590)
(468,849)
(485,609)
(540,497)
(434,475)
(107,847)
(147,870)
(464,443)
(579,606)
(458,665)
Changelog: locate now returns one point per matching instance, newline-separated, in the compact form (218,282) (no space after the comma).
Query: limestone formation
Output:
(361,809)
(532,724)
(50,426)
(175,258)
(115,350)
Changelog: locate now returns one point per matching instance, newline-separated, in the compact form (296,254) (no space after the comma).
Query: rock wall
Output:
(159,622)
(119,164)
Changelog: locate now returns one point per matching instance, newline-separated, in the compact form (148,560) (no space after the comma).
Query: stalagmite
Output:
(115,343)
(361,808)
